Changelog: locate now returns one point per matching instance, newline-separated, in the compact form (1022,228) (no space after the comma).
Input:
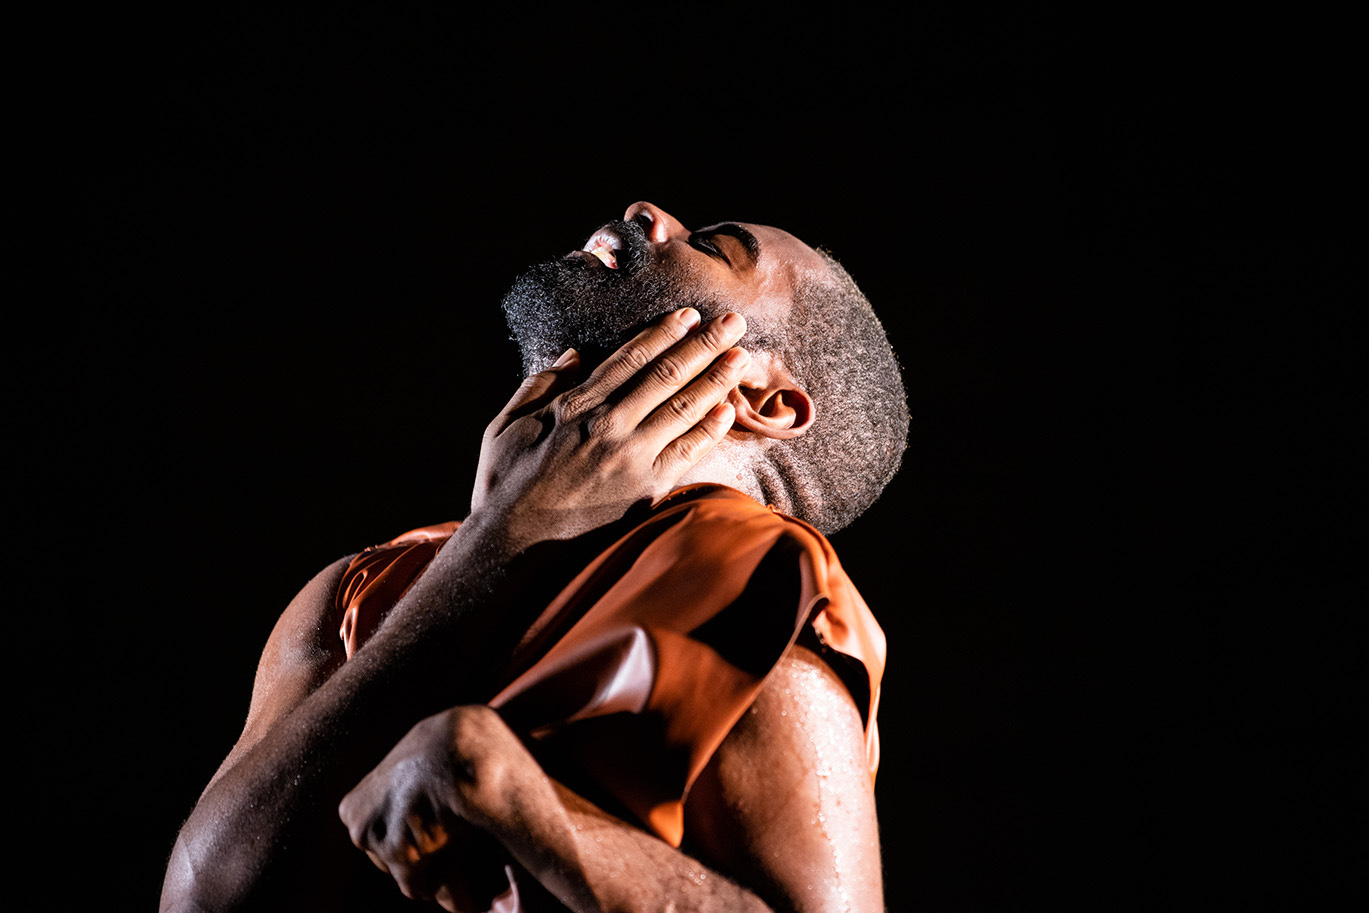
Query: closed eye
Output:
(750,248)
(705,244)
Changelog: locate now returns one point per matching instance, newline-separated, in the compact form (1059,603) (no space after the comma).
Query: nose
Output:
(662,225)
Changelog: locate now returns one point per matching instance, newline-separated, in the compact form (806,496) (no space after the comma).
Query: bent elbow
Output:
(181,902)
(188,888)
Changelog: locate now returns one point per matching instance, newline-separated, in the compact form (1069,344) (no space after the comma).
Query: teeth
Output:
(603,245)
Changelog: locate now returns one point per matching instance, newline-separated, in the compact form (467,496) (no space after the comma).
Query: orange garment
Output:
(638,669)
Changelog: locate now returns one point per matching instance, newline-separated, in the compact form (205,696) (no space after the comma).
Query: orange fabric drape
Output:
(638,668)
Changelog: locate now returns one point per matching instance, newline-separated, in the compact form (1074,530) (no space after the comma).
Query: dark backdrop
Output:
(1120,661)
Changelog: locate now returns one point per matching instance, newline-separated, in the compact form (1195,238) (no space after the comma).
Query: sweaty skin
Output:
(265,831)
(784,814)
(784,807)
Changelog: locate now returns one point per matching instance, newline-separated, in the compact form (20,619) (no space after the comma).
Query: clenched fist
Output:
(422,814)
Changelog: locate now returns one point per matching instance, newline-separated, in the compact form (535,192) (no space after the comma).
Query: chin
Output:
(567,303)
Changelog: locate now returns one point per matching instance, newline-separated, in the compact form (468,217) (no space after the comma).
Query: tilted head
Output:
(822,417)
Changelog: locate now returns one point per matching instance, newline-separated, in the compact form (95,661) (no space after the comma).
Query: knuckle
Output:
(636,356)
(352,817)
(472,715)
(712,336)
(469,726)
(675,327)
(690,445)
(372,837)
(693,449)
(725,375)
(680,407)
(569,405)
(602,423)
(378,861)
(530,385)
(670,371)
(619,459)
(718,373)
(461,721)
(667,459)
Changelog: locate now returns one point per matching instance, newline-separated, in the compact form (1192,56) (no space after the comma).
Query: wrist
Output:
(511,531)
(490,536)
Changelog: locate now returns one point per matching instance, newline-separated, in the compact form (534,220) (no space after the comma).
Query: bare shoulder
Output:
(307,631)
(786,806)
(803,698)
(303,650)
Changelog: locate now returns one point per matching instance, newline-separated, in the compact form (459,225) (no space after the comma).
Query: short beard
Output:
(577,303)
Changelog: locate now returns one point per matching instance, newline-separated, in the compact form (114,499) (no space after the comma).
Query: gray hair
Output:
(837,350)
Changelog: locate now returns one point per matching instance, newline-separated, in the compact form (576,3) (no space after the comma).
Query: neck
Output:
(726,465)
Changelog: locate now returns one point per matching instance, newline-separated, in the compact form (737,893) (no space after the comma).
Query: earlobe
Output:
(780,413)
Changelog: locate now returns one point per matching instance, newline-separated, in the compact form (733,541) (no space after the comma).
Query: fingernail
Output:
(734,323)
(690,318)
(723,411)
(565,358)
(736,357)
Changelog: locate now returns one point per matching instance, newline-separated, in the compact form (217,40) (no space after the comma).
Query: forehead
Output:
(780,246)
(784,261)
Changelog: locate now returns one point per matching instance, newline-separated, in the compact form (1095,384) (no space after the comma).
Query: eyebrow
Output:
(733,230)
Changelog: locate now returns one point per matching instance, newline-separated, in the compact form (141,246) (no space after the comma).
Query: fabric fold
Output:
(639,667)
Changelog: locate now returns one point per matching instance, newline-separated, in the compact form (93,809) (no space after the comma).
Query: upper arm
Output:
(786,806)
(303,650)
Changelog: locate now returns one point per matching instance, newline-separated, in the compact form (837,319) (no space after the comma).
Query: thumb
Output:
(538,389)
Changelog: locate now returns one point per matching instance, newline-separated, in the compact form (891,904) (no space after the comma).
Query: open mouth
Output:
(605,244)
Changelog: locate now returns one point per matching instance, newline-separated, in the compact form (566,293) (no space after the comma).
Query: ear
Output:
(770,403)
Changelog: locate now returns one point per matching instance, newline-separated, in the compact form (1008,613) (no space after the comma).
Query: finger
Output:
(412,884)
(636,354)
(470,872)
(688,407)
(425,876)
(539,389)
(447,899)
(675,369)
(686,450)
(365,828)
(454,893)
(379,863)
(427,833)
(407,868)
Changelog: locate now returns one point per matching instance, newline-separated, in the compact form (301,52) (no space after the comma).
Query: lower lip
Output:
(588,257)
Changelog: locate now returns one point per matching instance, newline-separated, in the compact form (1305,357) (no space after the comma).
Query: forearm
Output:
(796,757)
(594,862)
(552,467)
(269,821)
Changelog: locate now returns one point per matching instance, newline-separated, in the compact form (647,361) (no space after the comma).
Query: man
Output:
(694,669)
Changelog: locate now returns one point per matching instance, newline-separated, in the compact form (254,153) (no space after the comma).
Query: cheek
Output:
(715,282)
(771,309)
(775,289)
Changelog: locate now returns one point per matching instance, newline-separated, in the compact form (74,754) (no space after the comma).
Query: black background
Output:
(1113,571)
